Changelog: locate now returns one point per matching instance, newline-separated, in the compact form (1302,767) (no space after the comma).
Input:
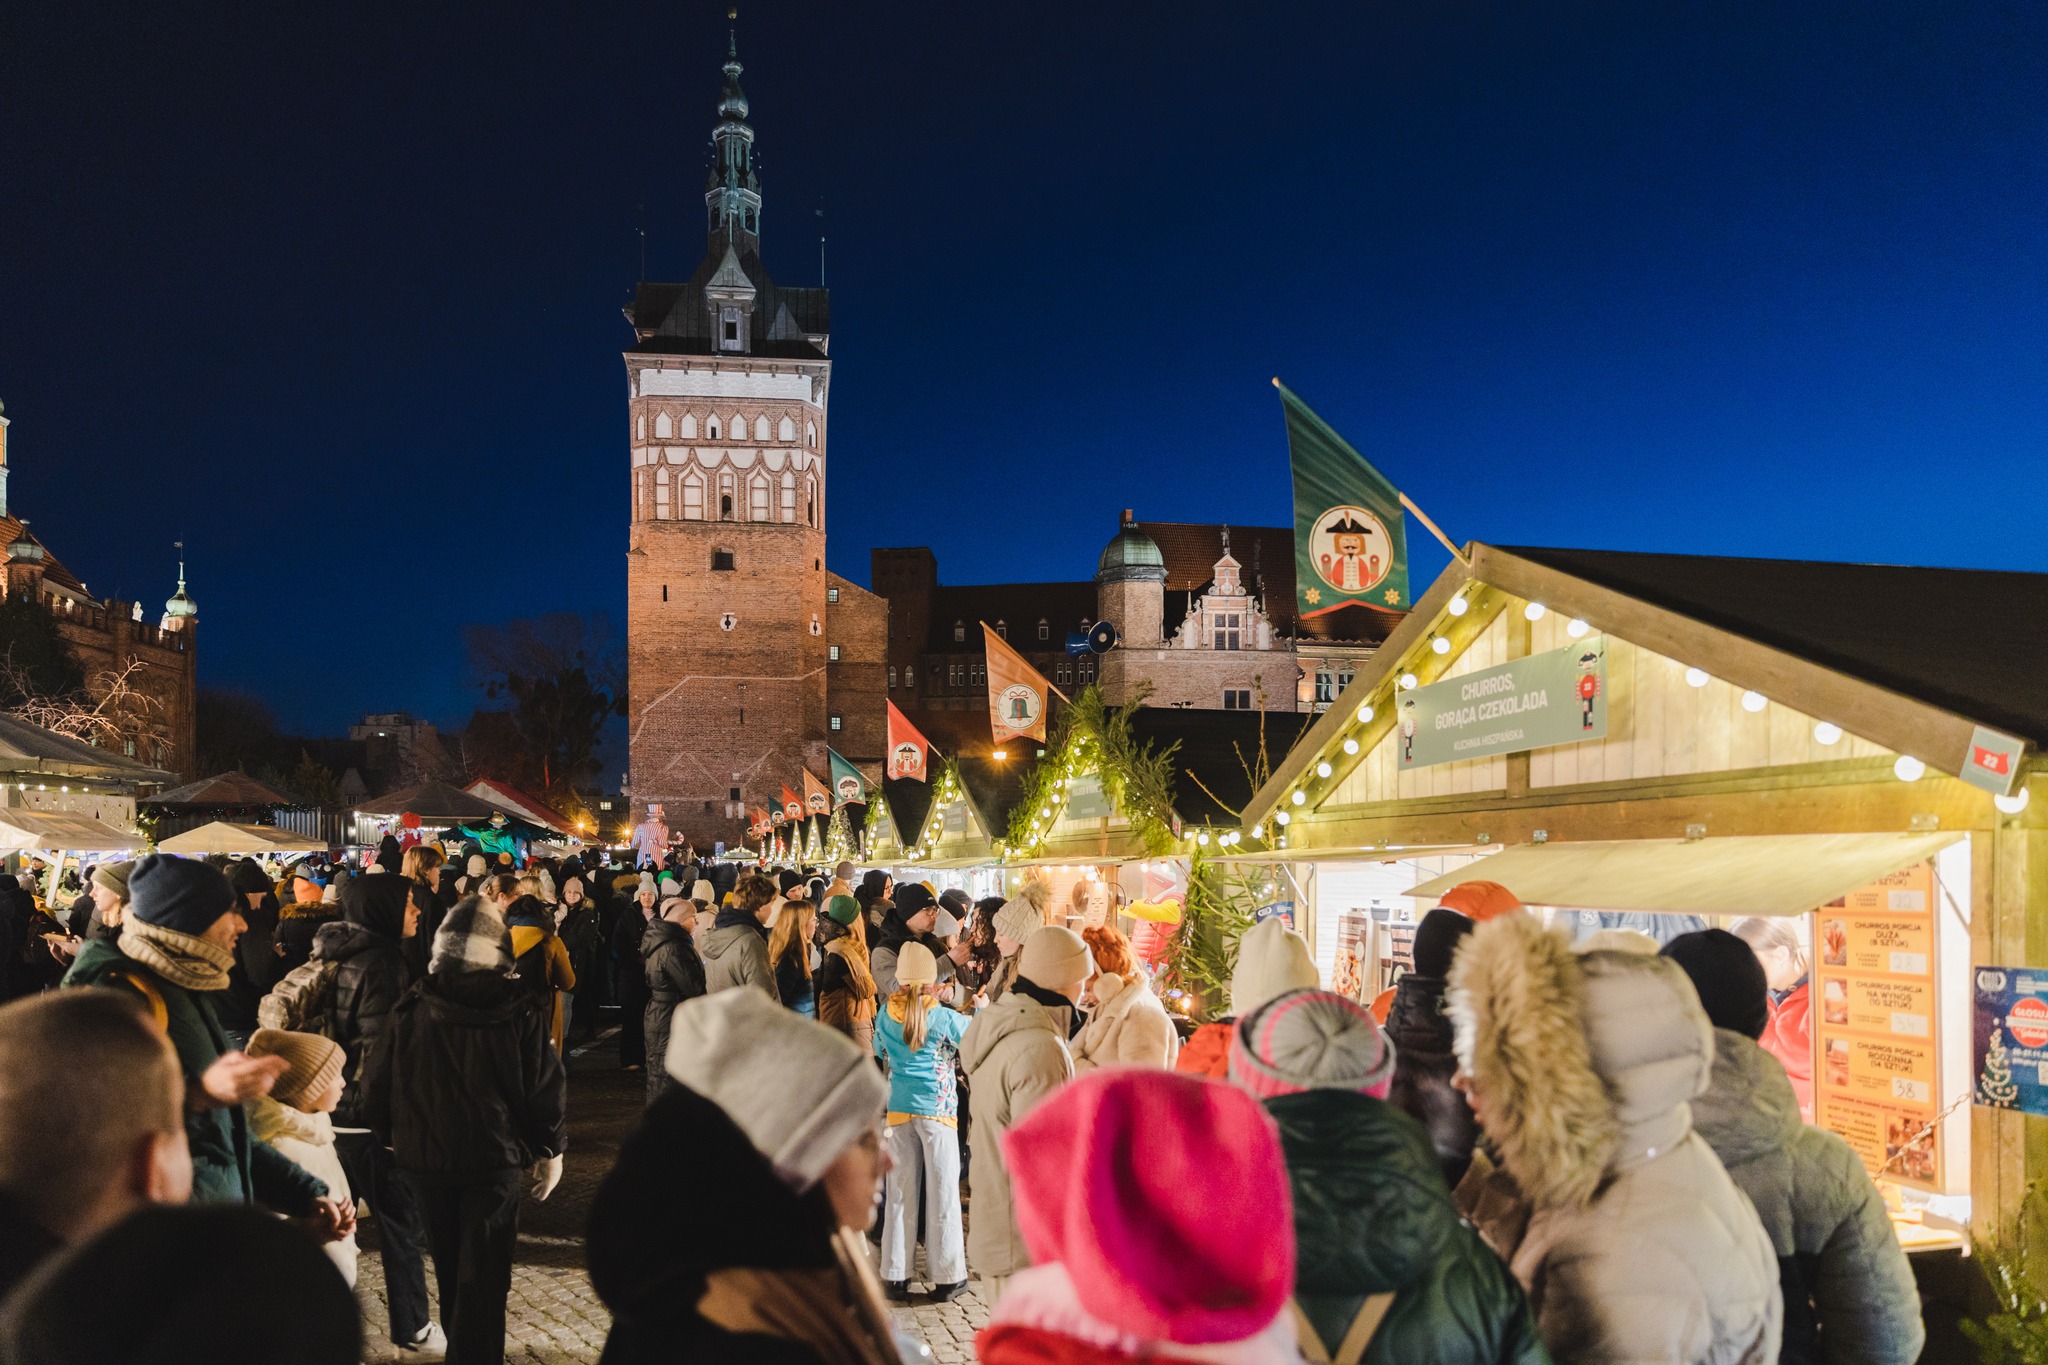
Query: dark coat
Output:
(464,1084)
(1372,1214)
(228,1166)
(674,973)
(1423,1067)
(24,1243)
(297,926)
(370,977)
(652,1278)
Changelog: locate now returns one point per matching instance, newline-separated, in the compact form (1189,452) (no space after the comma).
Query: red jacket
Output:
(1207,1053)
(1789,1038)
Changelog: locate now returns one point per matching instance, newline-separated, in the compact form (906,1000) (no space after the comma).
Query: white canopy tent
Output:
(23,831)
(222,837)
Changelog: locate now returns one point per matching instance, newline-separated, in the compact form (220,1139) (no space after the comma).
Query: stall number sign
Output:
(1558,697)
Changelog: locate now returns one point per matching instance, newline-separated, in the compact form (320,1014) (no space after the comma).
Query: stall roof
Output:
(62,831)
(222,837)
(1763,874)
(223,789)
(994,789)
(909,803)
(434,802)
(526,806)
(31,748)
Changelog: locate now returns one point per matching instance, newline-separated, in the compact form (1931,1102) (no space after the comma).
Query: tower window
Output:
(832,653)
(729,329)
(725,507)
(1229,630)
(836,722)
(721,562)
(1002,630)
(757,500)
(1044,629)
(831,594)
(892,675)
(664,592)
(959,632)
(711,428)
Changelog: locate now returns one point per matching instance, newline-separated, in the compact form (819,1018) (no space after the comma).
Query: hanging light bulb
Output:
(1697,677)
(1908,768)
(1300,798)
(1440,645)
(1534,611)
(1576,628)
(1282,818)
(1365,715)
(1408,682)
(2014,804)
(1754,701)
(1202,839)
(1322,770)
(1350,746)
(1458,606)
(1826,732)
(1258,831)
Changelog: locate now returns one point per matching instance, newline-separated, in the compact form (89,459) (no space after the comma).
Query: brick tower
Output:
(726,583)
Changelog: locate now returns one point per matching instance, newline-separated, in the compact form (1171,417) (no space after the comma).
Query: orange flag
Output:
(817,800)
(1017,692)
(792,806)
(909,751)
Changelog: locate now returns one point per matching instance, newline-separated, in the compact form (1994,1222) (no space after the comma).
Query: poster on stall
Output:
(2009,1038)
(1876,1025)
(1354,939)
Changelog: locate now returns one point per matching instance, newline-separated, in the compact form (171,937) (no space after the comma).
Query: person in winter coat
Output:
(1424,1060)
(875,887)
(1015,1054)
(1023,915)
(920,1038)
(295,1117)
(913,917)
(255,969)
(1186,1254)
(1616,1217)
(1849,1291)
(847,998)
(1271,960)
(466,1088)
(1377,1238)
(787,1113)
(627,936)
(577,921)
(1789,1034)
(789,956)
(674,973)
(176,947)
(379,915)
(736,949)
(301,921)
(541,961)
(1127,1026)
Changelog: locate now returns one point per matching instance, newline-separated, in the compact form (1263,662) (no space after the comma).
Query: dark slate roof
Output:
(54,571)
(1973,642)
(232,789)
(964,730)
(431,801)
(909,803)
(1216,746)
(1063,606)
(671,318)
(1266,553)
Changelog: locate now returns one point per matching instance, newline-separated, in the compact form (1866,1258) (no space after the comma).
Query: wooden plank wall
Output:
(1379,778)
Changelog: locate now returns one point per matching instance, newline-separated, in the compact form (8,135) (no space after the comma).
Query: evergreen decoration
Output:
(1996,1085)
(1092,737)
(2016,1334)
(1222,903)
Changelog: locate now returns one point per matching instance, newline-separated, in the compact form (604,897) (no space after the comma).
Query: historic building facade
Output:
(745,657)
(141,674)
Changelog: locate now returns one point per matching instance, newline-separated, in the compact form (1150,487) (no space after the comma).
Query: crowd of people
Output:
(1530,1149)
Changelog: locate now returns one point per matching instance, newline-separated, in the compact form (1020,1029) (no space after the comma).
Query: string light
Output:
(2014,804)
(1365,715)
(1282,818)
(1440,645)
(1322,770)
(1754,701)
(1202,839)
(1408,682)
(1825,732)
(1458,606)
(1350,746)
(1697,677)
(1908,768)
(1576,628)
(1258,831)
(1533,612)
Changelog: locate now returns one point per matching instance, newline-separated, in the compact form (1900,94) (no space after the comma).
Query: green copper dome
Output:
(1132,554)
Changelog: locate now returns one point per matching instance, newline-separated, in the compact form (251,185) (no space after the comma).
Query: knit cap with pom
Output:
(1311,1040)
(313,1063)
(1023,914)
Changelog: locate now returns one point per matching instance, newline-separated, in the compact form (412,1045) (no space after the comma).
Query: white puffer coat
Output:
(1129,1028)
(1620,1222)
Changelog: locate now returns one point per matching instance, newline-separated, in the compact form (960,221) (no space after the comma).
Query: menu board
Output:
(1876,1025)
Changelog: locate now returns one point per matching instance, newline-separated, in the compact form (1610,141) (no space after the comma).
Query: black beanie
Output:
(246,877)
(911,897)
(180,894)
(1437,939)
(1730,981)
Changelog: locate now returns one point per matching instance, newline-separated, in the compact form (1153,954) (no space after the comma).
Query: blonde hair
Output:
(793,927)
(1760,932)
(419,860)
(534,887)
(917,1008)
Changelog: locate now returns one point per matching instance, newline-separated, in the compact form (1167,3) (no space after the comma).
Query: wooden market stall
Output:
(960,840)
(1844,750)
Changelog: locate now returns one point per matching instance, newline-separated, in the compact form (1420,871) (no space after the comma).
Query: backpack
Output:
(301,1002)
(1352,1349)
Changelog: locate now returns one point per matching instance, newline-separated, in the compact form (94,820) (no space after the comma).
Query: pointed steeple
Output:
(732,192)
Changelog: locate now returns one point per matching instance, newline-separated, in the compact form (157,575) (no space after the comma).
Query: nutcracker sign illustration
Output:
(1352,550)
(1588,687)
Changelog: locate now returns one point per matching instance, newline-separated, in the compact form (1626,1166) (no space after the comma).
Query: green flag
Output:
(848,787)
(1350,538)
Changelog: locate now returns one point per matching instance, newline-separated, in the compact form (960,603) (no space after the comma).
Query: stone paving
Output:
(554,1318)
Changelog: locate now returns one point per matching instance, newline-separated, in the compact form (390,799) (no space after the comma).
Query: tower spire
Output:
(732,193)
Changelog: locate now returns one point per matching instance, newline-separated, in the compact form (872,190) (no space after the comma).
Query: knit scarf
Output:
(180,959)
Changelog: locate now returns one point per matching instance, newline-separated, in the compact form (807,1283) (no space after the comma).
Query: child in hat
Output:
(295,1117)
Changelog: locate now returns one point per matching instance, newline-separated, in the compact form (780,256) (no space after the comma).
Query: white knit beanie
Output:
(1055,957)
(1271,960)
(801,1092)
(476,866)
(1022,915)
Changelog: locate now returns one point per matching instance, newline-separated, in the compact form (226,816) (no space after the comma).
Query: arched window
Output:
(785,430)
(693,496)
(687,428)
(711,429)
(725,495)
(959,631)
(811,499)
(892,675)
(640,427)
(788,496)
(758,499)
(663,429)
(761,428)
(811,434)
(1002,630)
(736,429)
(661,496)
(1044,629)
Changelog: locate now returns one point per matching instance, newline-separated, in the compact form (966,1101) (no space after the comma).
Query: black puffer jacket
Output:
(1423,1067)
(464,1083)
(369,977)
(675,973)
(1372,1214)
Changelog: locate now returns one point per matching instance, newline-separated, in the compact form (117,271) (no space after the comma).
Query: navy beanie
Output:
(1436,941)
(183,895)
(1730,981)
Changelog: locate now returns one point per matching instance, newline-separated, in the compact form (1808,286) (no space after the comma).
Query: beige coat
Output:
(1129,1027)
(308,1139)
(1631,1239)
(1015,1054)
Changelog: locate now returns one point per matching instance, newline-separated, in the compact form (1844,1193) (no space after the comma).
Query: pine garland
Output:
(1222,903)
(1094,738)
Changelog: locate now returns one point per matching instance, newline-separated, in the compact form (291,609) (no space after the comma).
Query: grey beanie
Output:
(1310,1040)
(801,1092)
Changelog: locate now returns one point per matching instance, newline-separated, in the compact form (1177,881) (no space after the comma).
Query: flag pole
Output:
(1442,539)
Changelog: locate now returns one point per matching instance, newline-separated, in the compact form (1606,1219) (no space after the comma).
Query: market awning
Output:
(1766,874)
(222,837)
(62,832)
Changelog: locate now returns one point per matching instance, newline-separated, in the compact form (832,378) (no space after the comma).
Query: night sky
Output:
(333,291)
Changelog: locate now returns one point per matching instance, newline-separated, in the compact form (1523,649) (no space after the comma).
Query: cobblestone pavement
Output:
(554,1318)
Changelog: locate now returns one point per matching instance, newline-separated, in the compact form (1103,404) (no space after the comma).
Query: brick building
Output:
(151,664)
(745,657)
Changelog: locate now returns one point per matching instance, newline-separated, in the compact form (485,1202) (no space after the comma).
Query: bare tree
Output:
(109,708)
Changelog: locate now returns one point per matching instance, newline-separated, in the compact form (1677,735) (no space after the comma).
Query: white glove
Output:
(546,1173)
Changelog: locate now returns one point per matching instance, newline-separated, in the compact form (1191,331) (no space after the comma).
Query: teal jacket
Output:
(1372,1214)
(228,1166)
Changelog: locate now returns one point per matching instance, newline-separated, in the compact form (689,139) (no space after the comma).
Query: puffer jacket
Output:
(1620,1222)
(1424,1063)
(369,977)
(736,954)
(1207,1053)
(1129,1028)
(1015,1054)
(674,974)
(1372,1215)
(465,1083)
(1849,1291)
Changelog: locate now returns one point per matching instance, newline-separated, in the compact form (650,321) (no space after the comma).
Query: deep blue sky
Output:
(333,290)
